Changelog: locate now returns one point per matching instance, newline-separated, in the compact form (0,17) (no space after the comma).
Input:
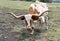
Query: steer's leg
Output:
(43,24)
(46,21)
(32,30)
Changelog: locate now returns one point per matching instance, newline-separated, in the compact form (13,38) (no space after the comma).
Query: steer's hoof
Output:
(31,33)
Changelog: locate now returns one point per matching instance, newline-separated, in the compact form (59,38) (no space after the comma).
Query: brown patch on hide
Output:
(22,17)
(26,22)
(38,12)
(34,17)
(35,5)
(30,23)
(31,11)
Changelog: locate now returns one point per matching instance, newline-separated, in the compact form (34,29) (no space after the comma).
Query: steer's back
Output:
(38,8)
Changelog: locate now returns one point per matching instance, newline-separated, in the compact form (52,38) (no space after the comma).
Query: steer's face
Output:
(29,19)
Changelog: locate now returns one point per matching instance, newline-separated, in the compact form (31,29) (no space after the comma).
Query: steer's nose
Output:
(29,27)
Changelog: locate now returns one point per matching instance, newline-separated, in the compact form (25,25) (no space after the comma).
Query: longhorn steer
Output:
(37,10)
(41,9)
(29,19)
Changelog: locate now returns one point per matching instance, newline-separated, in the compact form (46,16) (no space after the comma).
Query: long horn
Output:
(40,14)
(36,17)
(43,13)
(15,15)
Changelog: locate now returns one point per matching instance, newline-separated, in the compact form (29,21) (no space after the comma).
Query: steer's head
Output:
(29,19)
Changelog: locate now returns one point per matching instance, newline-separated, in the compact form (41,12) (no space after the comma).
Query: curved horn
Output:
(43,13)
(20,16)
(36,17)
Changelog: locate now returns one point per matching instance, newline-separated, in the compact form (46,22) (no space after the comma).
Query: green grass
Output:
(20,4)
(15,4)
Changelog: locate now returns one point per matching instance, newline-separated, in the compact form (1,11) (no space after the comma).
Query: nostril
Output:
(29,27)
(32,27)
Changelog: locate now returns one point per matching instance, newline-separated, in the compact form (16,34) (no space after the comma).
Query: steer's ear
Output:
(35,17)
(22,17)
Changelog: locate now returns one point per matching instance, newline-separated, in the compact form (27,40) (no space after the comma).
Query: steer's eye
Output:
(22,17)
(34,17)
